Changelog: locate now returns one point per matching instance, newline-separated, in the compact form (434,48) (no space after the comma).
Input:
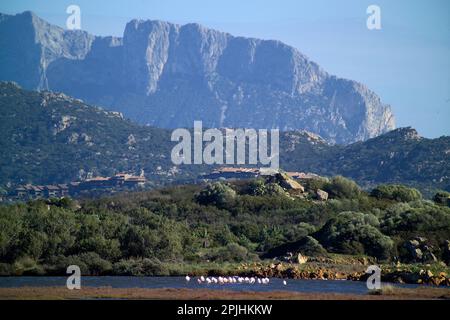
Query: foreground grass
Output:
(59,293)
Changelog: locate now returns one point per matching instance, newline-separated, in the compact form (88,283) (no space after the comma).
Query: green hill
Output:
(52,138)
(399,156)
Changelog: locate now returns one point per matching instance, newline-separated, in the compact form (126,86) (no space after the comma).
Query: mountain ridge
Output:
(169,75)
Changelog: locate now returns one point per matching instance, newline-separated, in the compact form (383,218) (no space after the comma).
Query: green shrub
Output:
(95,264)
(316,183)
(442,197)
(154,267)
(90,263)
(129,267)
(27,266)
(58,265)
(259,187)
(355,233)
(218,194)
(340,187)
(422,217)
(231,252)
(299,231)
(140,267)
(6,269)
(311,247)
(396,192)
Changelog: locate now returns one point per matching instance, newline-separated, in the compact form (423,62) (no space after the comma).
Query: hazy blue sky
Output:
(407,62)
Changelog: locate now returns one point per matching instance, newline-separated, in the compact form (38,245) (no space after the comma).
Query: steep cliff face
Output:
(169,75)
(30,44)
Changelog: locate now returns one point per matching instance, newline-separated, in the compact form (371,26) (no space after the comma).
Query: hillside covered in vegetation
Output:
(49,138)
(399,156)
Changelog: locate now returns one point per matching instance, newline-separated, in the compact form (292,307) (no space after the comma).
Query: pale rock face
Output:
(169,75)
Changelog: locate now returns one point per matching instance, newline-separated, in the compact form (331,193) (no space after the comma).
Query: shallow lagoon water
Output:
(298,285)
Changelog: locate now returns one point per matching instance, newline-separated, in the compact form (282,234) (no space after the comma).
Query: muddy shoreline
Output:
(58,293)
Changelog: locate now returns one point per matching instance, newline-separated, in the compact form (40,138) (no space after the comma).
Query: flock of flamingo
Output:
(231,280)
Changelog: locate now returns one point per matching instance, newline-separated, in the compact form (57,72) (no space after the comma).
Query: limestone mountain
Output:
(168,75)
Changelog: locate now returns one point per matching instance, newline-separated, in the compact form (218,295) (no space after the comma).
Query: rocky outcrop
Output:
(419,250)
(302,259)
(355,273)
(321,195)
(169,75)
(287,182)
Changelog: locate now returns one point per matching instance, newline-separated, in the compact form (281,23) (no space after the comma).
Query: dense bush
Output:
(396,192)
(260,188)
(442,197)
(232,252)
(340,187)
(311,247)
(140,267)
(355,233)
(218,194)
(418,217)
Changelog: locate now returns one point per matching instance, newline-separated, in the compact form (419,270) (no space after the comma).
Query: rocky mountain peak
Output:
(169,75)
(406,133)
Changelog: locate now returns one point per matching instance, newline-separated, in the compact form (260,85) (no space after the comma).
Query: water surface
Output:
(322,286)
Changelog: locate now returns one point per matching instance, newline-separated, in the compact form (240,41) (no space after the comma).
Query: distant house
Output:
(37,191)
(95,183)
(51,191)
(116,182)
(20,192)
(135,181)
(63,190)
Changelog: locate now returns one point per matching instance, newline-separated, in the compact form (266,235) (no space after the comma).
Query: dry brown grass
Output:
(389,291)
(57,293)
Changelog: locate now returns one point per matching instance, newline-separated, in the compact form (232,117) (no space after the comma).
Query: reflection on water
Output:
(332,286)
